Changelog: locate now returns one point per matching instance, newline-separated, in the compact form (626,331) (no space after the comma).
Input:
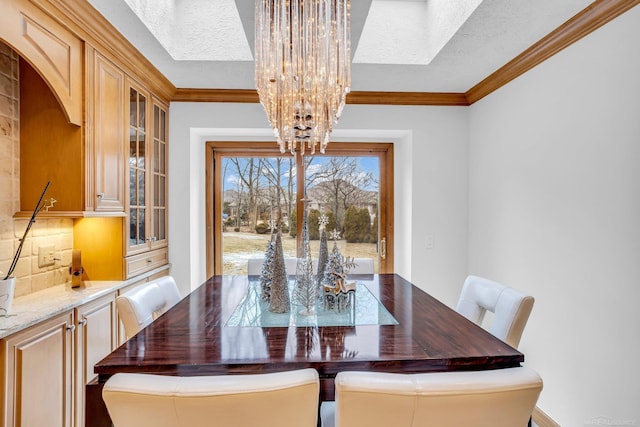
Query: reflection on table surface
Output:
(193,338)
(364,310)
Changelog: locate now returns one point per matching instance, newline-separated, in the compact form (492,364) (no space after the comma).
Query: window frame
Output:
(216,150)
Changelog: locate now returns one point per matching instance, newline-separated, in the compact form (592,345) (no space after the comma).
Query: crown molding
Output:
(90,26)
(376,98)
(216,95)
(408,98)
(585,22)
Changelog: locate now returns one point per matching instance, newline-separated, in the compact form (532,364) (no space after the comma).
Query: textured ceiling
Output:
(397,45)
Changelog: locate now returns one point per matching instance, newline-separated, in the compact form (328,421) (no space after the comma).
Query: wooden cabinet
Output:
(146,189)
(137,243)
(147,176)
(137,234)
(51,48)
(159,184)
(38,375)
(97,130)
(96,337)
(46,366)
(85,166)
(105,126)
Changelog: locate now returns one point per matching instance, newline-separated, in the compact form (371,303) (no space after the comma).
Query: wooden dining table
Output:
(217,330)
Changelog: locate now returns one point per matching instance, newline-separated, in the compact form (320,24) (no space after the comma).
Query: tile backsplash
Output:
(44,232)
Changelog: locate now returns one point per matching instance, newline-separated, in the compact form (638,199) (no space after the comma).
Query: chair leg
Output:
(530,423)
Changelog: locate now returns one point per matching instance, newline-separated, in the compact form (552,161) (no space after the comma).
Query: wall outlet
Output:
(46,255)
(428,241)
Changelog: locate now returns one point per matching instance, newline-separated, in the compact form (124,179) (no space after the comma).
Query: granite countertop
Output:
(38,306)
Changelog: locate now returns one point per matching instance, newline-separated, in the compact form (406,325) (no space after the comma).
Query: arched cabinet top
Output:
(50,48)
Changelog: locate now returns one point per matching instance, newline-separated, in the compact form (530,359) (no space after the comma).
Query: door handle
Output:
(383,248)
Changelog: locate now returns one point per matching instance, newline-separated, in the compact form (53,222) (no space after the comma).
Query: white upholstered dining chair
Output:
(495,398)
(510,307)
(282,399)
(139,306)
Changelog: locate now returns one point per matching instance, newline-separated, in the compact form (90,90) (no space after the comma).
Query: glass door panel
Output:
(347,190)
(159,177)
(256,193)
(251,184)
(137,172)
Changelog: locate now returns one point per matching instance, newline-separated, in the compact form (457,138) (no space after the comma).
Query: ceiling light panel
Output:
(394,33)
(410,32)
(195,30)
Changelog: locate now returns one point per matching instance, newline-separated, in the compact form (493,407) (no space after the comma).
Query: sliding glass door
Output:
(252,188)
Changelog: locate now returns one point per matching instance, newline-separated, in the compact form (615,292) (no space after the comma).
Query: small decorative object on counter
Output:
(7,281)
(43,204)
(7,287)
(279,302)
(75,269)
(337,293)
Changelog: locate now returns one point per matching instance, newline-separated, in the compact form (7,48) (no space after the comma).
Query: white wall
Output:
(554,209)
(430,183)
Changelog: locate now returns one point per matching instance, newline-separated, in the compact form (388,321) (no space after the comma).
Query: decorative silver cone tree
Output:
(280,302)
(266,275)
(306,289)
(323,257)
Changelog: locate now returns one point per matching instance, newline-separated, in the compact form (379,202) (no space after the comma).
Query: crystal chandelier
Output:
(303,68)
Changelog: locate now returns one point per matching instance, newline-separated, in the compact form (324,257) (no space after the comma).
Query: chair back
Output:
(283,399)
(169,288)
(141,305)
(496,398)
(511,308)
(254,266)
(363,266)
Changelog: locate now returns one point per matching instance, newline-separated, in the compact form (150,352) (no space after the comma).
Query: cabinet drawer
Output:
(138,264)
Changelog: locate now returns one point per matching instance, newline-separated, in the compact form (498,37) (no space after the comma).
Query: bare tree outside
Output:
(249,176)
(258,190)
(278,172)
(340,183)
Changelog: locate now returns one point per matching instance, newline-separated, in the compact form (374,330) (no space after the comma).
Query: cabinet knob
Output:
(100,195)
(71,328)
(82,322)
(149,260)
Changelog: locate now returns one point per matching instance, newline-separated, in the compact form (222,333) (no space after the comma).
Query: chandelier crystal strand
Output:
(303,68)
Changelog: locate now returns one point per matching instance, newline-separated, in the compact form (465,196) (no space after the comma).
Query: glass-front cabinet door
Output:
(159,220)
(147,224)
(136,228)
